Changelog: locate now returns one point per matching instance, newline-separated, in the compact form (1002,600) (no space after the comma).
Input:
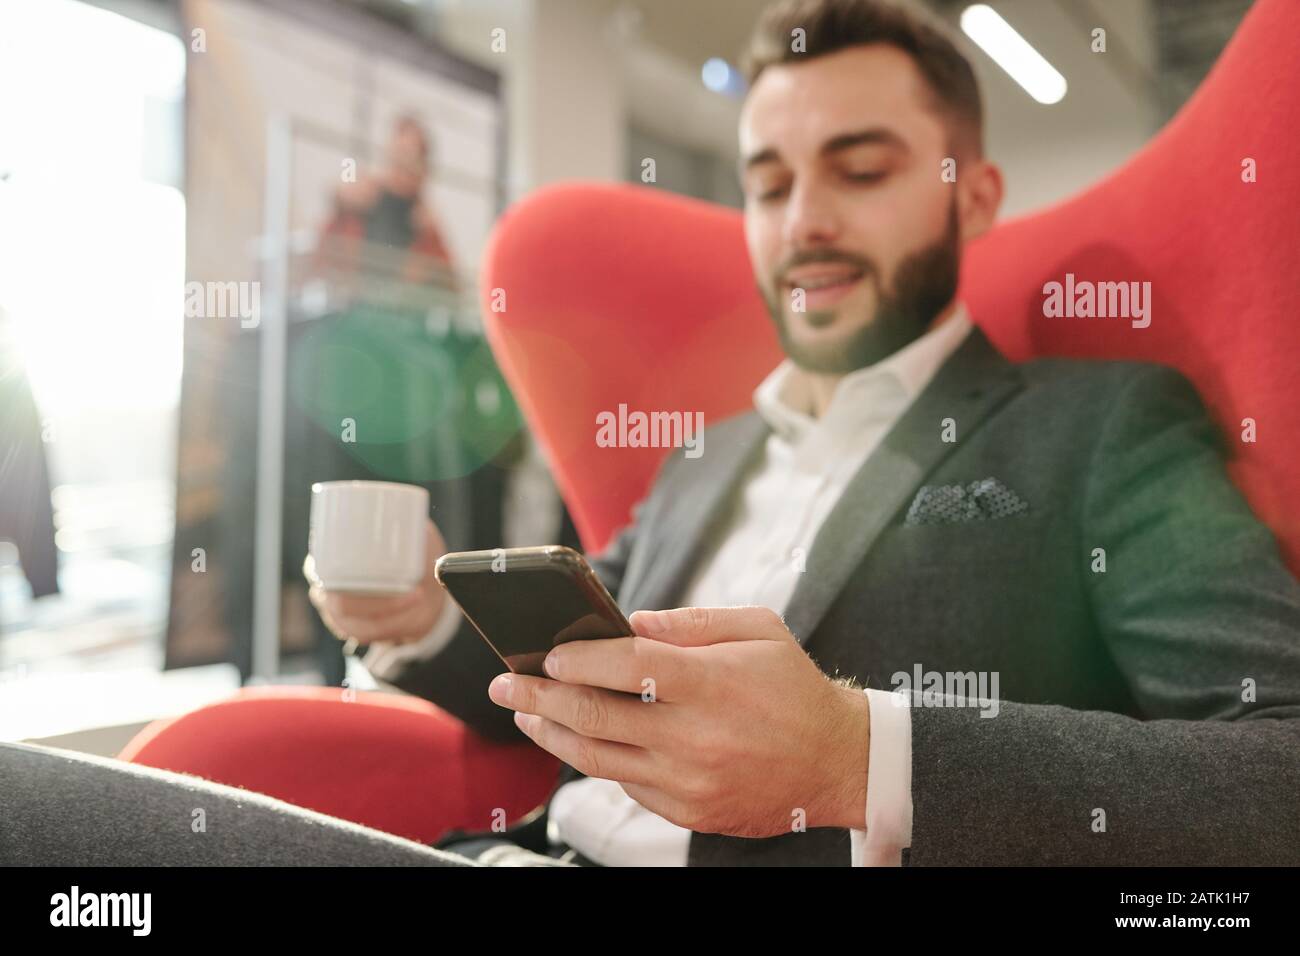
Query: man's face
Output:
(408,159)
(840,162)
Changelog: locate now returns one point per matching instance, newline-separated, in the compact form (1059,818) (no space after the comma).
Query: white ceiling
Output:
(1112,107)
(1049,151)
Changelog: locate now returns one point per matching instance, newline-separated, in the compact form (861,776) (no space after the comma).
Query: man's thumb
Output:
(698,626)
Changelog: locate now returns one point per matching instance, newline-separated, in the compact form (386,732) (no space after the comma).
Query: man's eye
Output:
(865,174)
(771,192)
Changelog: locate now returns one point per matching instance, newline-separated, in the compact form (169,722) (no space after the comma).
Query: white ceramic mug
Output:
(368,536)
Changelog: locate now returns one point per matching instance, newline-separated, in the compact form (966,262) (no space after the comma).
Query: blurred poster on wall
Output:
(381,154)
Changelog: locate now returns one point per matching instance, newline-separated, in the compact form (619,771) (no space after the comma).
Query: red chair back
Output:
(601,295)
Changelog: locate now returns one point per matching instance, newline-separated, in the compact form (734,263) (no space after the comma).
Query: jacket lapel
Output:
(967,388)
(704,491)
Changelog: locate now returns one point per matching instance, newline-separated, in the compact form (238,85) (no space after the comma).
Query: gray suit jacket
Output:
(1128,732)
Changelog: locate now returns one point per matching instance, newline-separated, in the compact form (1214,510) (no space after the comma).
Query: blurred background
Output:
(238,248)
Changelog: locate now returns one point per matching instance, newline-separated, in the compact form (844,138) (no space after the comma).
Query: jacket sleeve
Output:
(1203,619)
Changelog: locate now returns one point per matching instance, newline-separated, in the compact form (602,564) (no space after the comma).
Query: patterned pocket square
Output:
(952,504)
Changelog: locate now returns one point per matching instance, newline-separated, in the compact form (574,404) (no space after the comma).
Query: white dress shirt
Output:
(806,464)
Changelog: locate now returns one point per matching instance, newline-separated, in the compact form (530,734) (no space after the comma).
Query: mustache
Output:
(810,256)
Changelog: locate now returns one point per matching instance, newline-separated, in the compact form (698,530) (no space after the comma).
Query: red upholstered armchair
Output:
(621,294)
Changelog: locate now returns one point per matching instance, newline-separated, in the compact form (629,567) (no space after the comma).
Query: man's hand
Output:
(713,718)
(400,618)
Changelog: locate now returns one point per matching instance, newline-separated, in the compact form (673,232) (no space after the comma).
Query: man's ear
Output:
(979,196)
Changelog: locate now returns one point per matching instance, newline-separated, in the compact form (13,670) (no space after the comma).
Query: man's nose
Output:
(811,218)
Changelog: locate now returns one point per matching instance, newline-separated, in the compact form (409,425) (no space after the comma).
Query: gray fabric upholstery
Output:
(59,808)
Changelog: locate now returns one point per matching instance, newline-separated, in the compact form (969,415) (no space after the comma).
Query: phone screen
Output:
(543,597)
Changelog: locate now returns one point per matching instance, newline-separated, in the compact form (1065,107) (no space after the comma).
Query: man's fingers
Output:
(633,665)
(341,604)
(589,711)
(595,758)
(404,626)
(700,626)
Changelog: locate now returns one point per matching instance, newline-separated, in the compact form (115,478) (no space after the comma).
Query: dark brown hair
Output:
(833,25)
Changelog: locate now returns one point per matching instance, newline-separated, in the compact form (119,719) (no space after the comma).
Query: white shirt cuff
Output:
(382,654)
(889,783)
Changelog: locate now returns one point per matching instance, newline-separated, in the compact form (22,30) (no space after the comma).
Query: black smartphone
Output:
(525,601)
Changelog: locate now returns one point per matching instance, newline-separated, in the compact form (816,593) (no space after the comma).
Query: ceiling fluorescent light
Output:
(1009,50)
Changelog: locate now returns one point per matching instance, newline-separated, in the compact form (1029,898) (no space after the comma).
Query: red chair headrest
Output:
(601,295)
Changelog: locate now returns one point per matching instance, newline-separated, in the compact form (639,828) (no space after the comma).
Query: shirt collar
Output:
(885,387)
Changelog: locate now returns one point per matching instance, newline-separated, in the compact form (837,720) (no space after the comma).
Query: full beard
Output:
(924,283)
